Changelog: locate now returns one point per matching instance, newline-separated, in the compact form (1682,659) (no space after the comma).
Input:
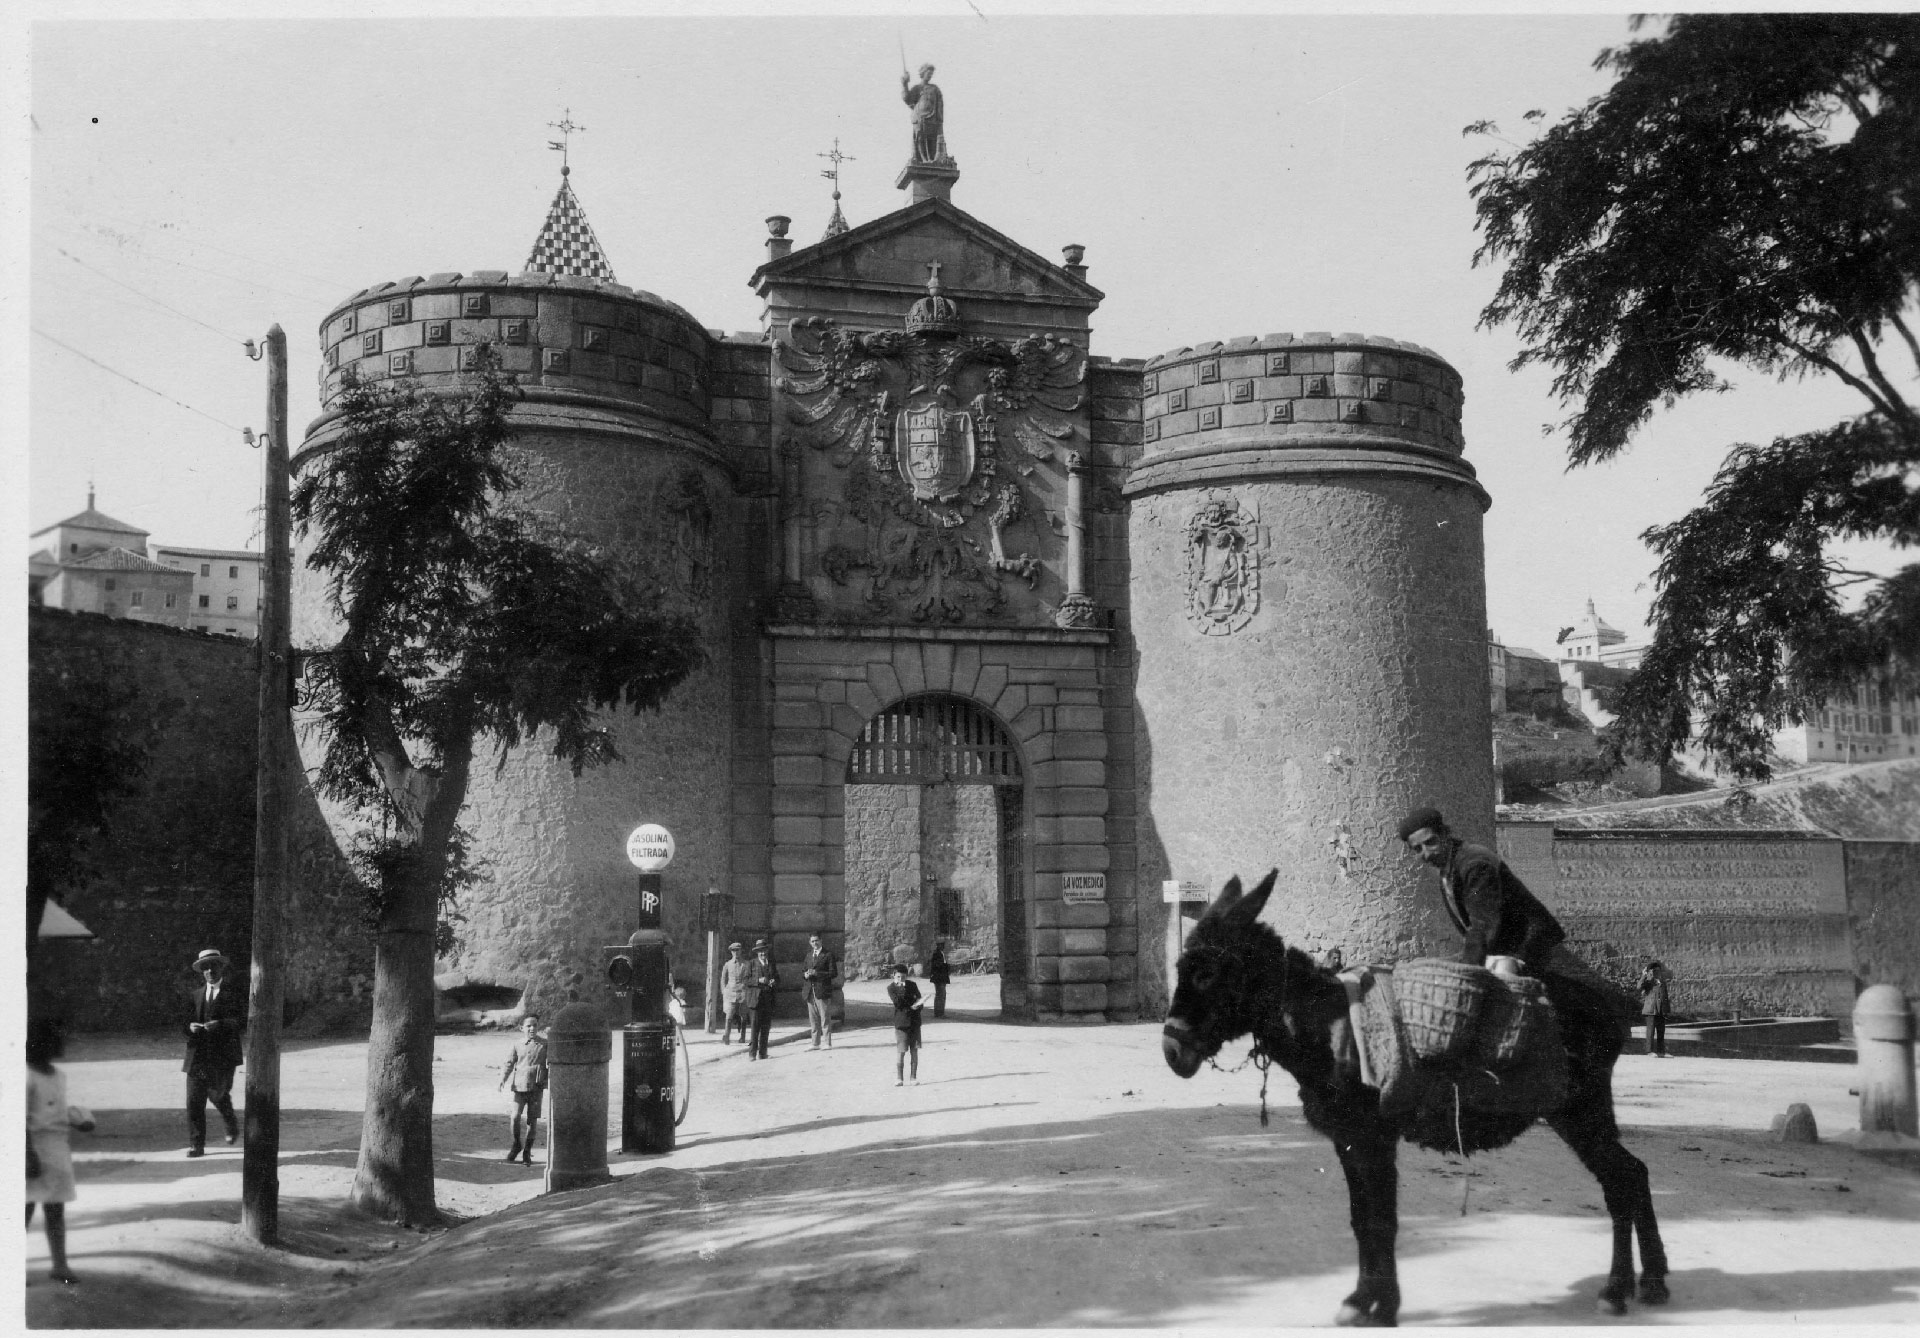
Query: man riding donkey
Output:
(1498,917)
(1426,1053)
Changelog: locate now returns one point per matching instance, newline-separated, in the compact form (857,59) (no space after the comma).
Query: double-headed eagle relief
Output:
(935,430)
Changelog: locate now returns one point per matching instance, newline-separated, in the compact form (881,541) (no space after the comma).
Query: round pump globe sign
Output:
(650,847)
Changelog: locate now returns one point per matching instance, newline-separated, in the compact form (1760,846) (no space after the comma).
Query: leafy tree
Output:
(462,621)
(1747,192)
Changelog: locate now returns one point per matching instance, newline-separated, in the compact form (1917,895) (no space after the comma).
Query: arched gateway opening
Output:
(935,848)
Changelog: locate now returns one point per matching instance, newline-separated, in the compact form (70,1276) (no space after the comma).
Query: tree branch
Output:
(1819,359)
(1898,407)
(1913,347)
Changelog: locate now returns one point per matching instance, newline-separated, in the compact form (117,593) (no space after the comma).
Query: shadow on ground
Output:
(1137,1219)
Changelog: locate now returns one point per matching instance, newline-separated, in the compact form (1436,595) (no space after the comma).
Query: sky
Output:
(193,181)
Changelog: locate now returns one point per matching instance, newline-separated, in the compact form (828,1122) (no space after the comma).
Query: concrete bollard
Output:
(1883,1036)
(579,1048)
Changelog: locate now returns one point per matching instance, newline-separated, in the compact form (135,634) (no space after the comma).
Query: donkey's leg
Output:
(1588,1127)
(1373,1191)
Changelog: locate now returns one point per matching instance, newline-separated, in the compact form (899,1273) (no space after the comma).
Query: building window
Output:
(170,598)
(205,569)
(110,582)
(73,548)
(228,630)
(233,601)
(203,600)
(137,598)
(951,913)
(233,573)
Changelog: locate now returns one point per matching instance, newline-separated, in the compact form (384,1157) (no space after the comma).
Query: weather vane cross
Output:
(566,126)
(838,223)
(836,157)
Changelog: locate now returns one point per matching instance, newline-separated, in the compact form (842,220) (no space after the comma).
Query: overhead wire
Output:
(87,357)
(149,297)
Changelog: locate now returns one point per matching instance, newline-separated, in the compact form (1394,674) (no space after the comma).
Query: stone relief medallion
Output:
(1223,566)
(934,447)
(689,516)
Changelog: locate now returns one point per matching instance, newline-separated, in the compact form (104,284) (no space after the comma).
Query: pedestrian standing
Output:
(50,1121)
(907,1005)
(766,985)
(817,990)
(938,974)
(1653,1006)
(527,1070)
(736,976)
(213,1049)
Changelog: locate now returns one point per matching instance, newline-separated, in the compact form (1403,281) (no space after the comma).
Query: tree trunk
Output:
(394,1177)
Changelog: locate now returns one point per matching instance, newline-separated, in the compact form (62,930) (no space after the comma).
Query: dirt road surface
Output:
(1035,1177)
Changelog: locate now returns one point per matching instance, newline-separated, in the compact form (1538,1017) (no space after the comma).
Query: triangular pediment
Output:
(891,254)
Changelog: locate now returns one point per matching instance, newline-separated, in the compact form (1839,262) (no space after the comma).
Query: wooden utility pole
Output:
(260,1163)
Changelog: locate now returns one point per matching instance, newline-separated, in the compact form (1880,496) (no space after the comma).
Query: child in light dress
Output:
(49,1157)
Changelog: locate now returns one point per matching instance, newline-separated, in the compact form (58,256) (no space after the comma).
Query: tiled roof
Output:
(566,245)
(118,559)
(240,553)
(93,520)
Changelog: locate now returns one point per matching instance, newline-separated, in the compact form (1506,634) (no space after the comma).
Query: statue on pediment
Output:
(929,117)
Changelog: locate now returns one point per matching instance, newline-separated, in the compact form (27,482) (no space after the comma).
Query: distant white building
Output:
(1592,640)
(1878,721)
(92,563)
(228,587)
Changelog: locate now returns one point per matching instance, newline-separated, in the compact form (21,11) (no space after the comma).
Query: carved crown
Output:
(934,314)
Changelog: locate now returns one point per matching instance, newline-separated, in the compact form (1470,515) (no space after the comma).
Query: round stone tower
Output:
(1308,600)
(615,447)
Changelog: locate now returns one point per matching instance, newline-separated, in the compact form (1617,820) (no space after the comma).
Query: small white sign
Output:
(650,847)
(1083,887)
(1173,890)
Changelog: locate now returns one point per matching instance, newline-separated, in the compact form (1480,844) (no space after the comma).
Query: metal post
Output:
(260,1161)
(710,1004)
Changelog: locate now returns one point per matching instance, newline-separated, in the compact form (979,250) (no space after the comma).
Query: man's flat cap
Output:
(1420,817)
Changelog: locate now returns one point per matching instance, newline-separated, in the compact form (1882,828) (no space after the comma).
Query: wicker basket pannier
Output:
(1515,1021)
(1440,1003)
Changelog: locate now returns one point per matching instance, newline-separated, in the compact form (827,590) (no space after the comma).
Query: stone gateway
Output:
(1153,620)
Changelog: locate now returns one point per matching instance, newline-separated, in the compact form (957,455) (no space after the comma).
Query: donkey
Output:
(1236,976)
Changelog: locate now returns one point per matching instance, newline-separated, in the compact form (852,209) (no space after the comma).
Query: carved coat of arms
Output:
(935,448)
(1223,566)
(939,434)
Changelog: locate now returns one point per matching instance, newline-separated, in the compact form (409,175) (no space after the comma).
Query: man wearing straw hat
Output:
(213,1049)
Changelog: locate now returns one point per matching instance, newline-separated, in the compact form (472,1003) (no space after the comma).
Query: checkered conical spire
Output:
(566,244)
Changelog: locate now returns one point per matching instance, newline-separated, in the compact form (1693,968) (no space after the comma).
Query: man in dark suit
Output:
(817,989)
(213,1049)
(760,994)
(1498,916)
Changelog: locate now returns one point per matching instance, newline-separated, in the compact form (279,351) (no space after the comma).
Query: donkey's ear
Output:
(1249,907)
(1225,902)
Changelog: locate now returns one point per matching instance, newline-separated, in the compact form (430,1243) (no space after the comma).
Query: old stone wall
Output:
(1308,601)
(1883,909)
(960,841)
(883,876)
(175,865)
(1753,922)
